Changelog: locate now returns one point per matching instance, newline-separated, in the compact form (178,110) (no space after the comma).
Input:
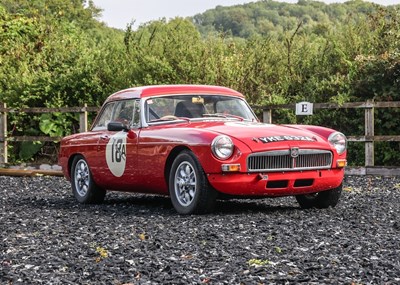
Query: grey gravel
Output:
(47,238)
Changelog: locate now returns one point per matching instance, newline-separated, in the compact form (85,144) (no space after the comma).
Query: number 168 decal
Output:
(116,154)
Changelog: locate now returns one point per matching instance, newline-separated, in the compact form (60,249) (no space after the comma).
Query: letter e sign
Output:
(304,108)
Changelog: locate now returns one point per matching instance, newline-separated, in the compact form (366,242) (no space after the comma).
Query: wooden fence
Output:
(368,139)
(4,138)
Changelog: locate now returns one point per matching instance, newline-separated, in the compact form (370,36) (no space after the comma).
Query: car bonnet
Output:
(262,137)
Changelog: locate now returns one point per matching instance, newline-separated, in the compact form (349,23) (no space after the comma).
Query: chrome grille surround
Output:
(281,160)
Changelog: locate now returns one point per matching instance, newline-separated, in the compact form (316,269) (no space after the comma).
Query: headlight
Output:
(222,147)
(339,141)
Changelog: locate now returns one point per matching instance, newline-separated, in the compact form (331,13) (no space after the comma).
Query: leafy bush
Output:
(56,54)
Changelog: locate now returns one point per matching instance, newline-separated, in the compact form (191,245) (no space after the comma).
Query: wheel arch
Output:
(170,159)
(188,200)
(71,159)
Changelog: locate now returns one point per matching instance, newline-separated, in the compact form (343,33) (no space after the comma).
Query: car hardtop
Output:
(158,90)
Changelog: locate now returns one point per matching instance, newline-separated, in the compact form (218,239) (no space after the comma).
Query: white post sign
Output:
(304,108)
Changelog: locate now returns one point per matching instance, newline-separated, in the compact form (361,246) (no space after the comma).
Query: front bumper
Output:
(277,184)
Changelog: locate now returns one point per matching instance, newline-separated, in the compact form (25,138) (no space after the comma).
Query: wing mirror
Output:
(115,126)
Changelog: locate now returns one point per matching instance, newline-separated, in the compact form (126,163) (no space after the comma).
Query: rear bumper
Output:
(276,184)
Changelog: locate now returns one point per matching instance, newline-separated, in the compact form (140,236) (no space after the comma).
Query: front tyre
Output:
(189,188)
(84,188)
(321,200)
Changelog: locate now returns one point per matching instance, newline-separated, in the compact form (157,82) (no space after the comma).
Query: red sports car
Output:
(198,144)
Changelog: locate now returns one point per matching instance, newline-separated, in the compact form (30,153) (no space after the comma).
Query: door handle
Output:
(104,137)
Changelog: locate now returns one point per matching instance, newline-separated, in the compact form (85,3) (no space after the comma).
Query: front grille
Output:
(281,160)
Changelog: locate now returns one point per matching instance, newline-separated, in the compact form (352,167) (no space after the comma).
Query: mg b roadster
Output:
(198,144)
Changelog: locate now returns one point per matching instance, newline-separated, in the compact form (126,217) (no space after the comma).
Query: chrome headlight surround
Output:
(222,147)
(338,141)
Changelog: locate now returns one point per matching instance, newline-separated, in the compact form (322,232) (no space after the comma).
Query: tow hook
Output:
(263,176)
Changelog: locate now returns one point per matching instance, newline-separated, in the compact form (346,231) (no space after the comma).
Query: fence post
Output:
(83,119)
(369,133)
(267,116)
(3,135)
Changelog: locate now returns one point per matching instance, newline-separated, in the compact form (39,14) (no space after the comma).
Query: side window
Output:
(105,117)
(127,112)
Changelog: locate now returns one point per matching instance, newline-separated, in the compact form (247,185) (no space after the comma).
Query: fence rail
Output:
(368,139)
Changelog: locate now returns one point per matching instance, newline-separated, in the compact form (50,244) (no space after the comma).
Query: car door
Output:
(116,157)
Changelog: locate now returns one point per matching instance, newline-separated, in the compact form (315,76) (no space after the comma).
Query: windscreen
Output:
(197,107)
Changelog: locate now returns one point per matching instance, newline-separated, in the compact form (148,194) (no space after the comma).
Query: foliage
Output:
(55,53)
(271,19)
(29,149)
(47,60)
(56,124)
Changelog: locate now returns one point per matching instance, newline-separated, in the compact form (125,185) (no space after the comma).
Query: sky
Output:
(119,13)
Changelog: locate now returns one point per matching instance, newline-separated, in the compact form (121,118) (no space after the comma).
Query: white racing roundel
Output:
(116,154)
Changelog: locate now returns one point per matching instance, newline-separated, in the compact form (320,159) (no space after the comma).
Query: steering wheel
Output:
(169,118)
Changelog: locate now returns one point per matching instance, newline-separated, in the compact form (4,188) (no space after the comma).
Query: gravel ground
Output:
(47,238)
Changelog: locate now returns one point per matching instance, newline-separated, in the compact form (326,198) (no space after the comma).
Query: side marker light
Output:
(340,163)
(230,167)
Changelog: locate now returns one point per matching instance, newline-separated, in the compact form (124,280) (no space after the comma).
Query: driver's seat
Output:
(189,110)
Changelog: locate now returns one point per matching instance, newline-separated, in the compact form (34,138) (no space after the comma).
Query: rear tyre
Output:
(189,188)
(84,188)
(321,200)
